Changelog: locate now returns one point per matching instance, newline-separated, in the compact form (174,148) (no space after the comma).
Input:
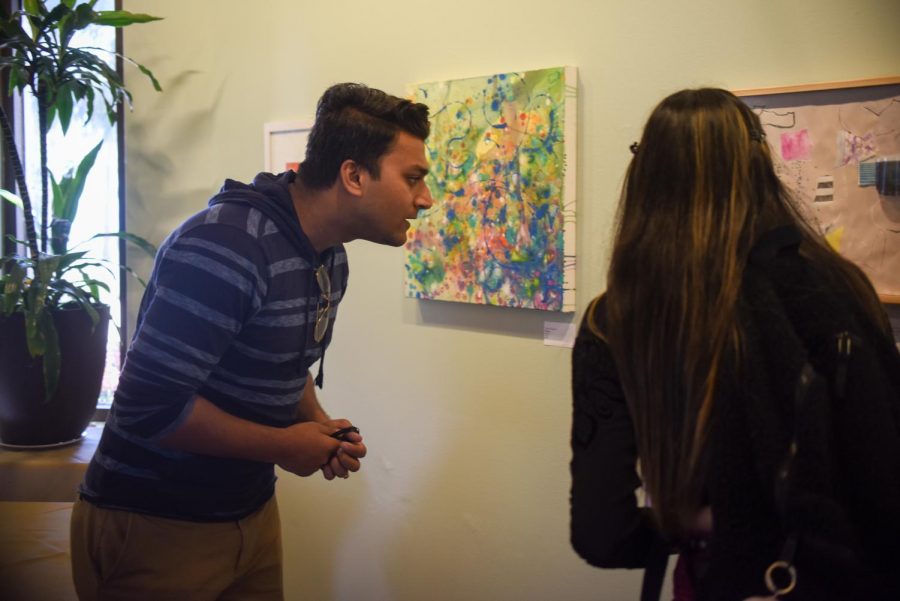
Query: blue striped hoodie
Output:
(229,313)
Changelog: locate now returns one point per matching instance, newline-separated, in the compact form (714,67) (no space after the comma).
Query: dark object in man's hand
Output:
(342,433)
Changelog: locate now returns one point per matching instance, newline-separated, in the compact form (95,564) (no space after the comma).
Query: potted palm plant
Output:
(53,326)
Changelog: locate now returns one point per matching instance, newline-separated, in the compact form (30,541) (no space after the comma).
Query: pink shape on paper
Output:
(795,146)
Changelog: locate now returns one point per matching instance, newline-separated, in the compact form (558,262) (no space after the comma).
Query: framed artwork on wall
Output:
(837,148)
(502,228)
(284,144)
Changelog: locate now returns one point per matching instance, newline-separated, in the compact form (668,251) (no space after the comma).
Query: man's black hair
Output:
(356,122)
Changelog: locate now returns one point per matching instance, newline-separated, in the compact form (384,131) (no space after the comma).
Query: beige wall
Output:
(464,495)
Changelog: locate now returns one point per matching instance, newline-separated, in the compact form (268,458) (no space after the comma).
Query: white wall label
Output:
(559,334)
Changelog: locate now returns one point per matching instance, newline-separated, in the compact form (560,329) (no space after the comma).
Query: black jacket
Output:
(843,497)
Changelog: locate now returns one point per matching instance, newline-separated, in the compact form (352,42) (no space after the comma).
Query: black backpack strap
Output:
(655,571)
(781,575)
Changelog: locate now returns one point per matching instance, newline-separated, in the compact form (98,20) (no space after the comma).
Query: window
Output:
(99,210)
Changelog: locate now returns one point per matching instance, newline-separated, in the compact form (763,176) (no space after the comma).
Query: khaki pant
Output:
(134,557)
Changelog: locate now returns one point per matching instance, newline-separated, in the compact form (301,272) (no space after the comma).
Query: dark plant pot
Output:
(27,418)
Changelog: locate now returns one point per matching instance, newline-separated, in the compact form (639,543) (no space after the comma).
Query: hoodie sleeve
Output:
(207,283)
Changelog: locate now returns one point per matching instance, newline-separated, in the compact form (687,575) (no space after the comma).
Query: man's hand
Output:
(308,446)
(346,457)
(301,448)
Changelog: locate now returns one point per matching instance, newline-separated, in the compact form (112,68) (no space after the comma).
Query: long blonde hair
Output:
(699,191)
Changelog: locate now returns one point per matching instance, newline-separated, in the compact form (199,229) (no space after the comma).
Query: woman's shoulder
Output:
(594,320)
(591,355)
(780,277)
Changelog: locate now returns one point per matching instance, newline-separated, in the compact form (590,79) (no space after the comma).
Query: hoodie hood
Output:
(271,195)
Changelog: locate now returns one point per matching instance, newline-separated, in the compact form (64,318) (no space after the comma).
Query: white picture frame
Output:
(284,144)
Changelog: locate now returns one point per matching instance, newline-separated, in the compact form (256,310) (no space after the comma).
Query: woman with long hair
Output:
(741,372)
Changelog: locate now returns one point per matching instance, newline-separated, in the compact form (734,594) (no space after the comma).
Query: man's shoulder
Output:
(227,220)
(227,233)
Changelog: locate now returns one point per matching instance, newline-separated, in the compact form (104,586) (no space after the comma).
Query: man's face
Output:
(390,201)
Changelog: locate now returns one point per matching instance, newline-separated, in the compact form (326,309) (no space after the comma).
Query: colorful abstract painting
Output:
(502,228)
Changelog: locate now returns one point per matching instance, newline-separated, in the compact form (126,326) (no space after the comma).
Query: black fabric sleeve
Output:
(608,529)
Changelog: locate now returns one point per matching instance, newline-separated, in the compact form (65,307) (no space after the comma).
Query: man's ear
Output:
(353,177)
